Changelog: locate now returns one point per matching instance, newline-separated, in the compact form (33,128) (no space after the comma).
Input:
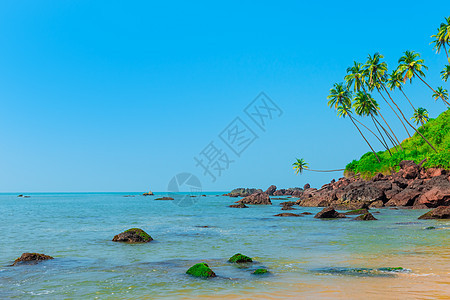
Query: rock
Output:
(149,193)
(404,198)
(271,190)
(256,199)
(378,177)
(365,217)
(201,270)
(20,196)
(239,258)
(29,258)
(434,172)
(306,213)
(441,212)
(437,196)
(240,205)
(329,213)
(288,203)
(260,272)
(164,198)
(306,186)
(243,192)
(288,207)
(357,212)
(133,235)
(376,204)
(287,215)
(410,169)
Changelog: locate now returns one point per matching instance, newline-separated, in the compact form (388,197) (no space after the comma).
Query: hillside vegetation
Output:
(437,131)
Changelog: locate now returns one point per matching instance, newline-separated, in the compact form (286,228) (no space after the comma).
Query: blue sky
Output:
(115,96)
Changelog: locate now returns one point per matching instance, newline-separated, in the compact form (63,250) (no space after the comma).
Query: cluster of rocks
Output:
(242,192)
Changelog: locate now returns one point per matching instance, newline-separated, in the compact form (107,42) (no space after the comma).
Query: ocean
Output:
(306,257)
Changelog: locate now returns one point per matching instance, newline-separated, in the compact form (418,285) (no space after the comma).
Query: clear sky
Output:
(121,96)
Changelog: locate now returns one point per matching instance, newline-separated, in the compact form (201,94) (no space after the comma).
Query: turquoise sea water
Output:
(306,257)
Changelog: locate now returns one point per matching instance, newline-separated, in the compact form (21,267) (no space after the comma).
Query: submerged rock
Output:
(31,258)
(239,258)
(287,215)
(133,235)
(201,270)
(288,207)
(365,217)
(329,213)
(164,198)
(240,205)
(357,212)
(441,212)
(260,271)
(306,213)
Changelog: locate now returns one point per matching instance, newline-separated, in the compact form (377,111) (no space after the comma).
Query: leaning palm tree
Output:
(395,81)
(410,65)
(356,77)
(420,115)
(442,37)
(300,165)
(377,71)
(440,93)
(340,97)
(445,73)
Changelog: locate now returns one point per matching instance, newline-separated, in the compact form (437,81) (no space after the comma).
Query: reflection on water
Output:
(306,257)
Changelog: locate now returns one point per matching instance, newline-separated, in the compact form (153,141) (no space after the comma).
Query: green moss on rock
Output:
(133,235)
(240,258)
(260,271)
(391,269)
(201,270)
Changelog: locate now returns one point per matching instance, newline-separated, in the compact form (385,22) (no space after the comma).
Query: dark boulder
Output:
(365,217)
(133,235)
(31,258)
(329,213)
(287,215)
(240,205)
(306,186)
(306,213)
(441,212)
(164,198)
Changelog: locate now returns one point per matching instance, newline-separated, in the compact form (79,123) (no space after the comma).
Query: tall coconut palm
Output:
(420,115)
(440,93)
(442,37)
(300,165)
(445,73)
(410,65)
(377,71)
(340,97)
(356,77)
(395,81)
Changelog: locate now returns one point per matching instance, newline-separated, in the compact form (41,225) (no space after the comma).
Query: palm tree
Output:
(411,65)
(445,73)
(420,115)
(442,37)
(340,97)
(300,165)
(395,81)
(377,71)
(440,93)
(356,77)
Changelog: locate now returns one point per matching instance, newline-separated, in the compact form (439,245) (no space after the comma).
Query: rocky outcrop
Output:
(133,235)
(295,192)
(365,217)
(256,199)
(240,205)
(149,193)
(271,190)
(242,192)
(31,258)
(441,212)
(329,213)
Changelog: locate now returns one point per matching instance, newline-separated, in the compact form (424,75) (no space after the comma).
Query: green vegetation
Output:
(437,131)
(239,258)
(141,233)
(201,270)
(389,269)
(260,271)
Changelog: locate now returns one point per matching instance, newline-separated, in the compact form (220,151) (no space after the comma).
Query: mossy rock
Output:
(201,270)
(133,235)
(260,272)
(360,211)
(239,258)
(31,258)
(391,269)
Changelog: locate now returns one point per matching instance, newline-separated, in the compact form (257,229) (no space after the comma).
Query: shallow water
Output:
(306,257)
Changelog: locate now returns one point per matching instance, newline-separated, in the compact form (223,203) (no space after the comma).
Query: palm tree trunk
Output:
(448,104)
(446,53)
(406,129)
(382,117)
(391,139)
(372,133)
(414,109)
(407,120)
(384,143)
(351,118)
